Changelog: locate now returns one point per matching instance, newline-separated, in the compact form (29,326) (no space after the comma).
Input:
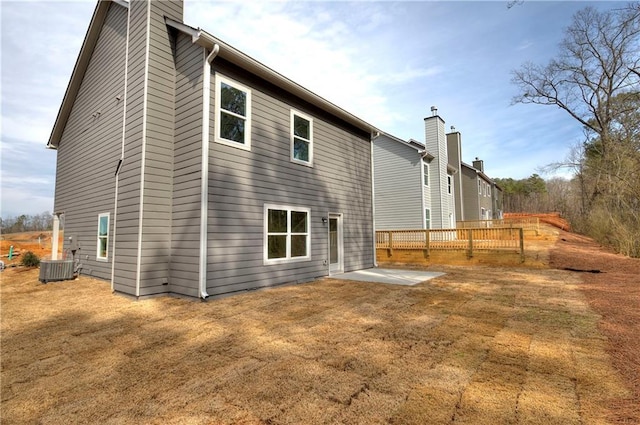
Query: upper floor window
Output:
(233,113)
(449,184)
(103,236)
(479,187)
(301,138)
(489,190)
(287,236)
(425,173)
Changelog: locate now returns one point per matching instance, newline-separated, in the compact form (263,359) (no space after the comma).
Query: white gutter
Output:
(204,179)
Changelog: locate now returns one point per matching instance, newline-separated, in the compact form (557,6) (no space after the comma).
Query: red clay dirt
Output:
(611,284)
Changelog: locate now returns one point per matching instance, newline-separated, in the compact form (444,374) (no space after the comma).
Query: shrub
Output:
(29,259)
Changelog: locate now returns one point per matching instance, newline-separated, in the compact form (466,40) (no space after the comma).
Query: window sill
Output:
(274,261)
(243,146)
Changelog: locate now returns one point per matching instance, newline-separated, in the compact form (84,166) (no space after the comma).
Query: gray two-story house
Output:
(185,166)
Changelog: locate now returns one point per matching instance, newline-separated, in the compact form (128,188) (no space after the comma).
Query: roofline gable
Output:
(80,68)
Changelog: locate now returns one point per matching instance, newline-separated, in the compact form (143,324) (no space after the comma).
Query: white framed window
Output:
(301,138)
(449,184)
(233,113)
(483,214)
(489,190)
(427,218)
(102,247)
(479,187)
(425,173)
(287,234)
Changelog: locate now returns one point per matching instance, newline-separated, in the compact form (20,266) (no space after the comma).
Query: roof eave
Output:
(246,62)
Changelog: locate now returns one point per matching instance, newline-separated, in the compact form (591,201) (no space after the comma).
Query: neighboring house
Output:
(413,182)
(185,166)
(478,197)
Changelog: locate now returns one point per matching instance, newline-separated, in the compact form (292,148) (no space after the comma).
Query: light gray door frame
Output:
(336,244)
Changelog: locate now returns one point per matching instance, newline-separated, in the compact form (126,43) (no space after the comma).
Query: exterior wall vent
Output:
(55,270)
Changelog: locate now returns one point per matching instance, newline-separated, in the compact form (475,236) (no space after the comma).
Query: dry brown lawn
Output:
(478,345)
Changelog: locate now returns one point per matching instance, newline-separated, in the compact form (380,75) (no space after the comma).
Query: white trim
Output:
(425,164)
(292,138)
(143,159)
(219,79)
(288,234)
(106,257)
(124,133)
(122,3)
(55,236)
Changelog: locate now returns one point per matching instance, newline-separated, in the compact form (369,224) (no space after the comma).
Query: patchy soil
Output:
(479,345)
(37,242)
(611,284)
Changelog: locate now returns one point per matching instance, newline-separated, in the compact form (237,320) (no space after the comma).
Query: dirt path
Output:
(614,293)
(479,345)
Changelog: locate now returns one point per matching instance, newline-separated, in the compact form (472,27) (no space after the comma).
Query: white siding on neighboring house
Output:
(399,202)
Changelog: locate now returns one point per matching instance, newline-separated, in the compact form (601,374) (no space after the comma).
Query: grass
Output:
(478,345)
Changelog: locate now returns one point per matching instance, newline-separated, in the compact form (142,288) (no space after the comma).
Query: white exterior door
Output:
(336,261)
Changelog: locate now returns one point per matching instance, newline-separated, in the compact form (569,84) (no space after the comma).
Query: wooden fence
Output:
(469,240)
(526,223)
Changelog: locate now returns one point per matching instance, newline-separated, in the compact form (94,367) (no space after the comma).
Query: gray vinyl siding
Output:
(454,156)
(470,193)
(486,201)
(147,188)
(129,179)
(187,169)
(398,185)
(159,151)
(242,182)
(90,145)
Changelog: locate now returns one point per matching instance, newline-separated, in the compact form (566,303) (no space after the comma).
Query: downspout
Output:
(123,138)
(373,200)
(204,186)
(423,213)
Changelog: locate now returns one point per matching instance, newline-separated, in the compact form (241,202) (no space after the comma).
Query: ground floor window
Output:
(427,218)
(287,236)
(103,236)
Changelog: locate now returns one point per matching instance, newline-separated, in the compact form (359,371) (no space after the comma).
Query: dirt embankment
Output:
(37,242)
(611,283)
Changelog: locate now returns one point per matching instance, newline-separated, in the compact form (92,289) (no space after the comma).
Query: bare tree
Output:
(598,59)
(596,80)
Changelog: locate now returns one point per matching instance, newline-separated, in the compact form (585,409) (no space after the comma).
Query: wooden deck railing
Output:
(527,223)
(471,240)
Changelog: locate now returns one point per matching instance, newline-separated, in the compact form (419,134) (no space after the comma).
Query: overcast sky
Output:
(385,62)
